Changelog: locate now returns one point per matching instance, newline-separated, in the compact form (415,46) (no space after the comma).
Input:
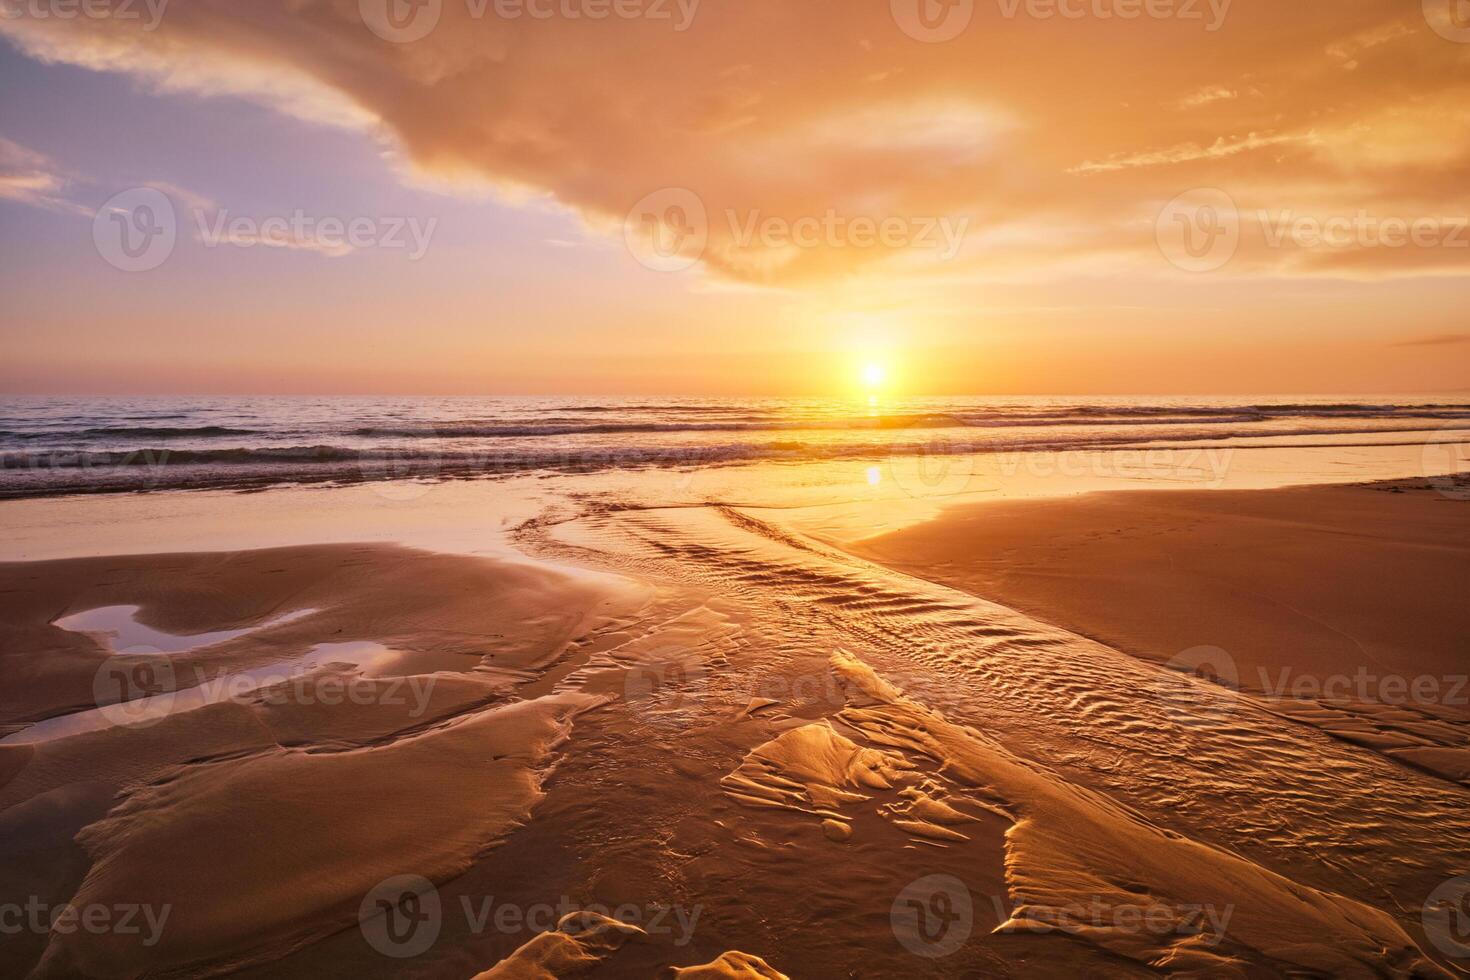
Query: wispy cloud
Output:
(31,178)
(276,238)
(1438,340)
(1193,152)
(1348,49)
(1208,95)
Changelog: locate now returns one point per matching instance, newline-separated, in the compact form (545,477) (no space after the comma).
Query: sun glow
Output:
(874,379)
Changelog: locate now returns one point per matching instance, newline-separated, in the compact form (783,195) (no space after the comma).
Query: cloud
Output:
(31,178)
(1207,95)
(1347,49)
(1438,340)
(768,109)
(190,199)
(1193,152)
(273,237)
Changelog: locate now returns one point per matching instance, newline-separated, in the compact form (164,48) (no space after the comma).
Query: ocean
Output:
(61,445)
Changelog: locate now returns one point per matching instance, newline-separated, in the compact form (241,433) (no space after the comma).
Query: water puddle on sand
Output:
(119,630)
(186,693)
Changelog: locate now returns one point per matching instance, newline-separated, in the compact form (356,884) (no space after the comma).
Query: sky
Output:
(706,197)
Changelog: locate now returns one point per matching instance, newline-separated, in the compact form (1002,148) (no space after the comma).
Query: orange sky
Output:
(1024,168)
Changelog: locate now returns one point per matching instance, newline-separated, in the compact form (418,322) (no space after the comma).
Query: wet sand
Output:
(626,742)
(263,817)
(1345,605)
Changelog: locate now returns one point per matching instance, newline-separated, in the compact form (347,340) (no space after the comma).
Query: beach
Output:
(656,490)
(1344,605)
(791,720)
